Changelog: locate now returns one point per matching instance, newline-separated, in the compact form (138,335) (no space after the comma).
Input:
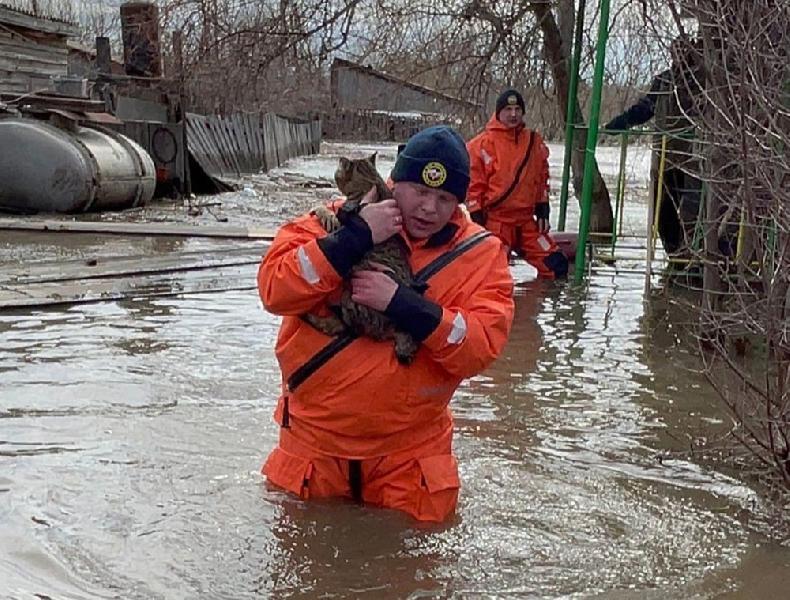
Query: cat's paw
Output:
(327,218)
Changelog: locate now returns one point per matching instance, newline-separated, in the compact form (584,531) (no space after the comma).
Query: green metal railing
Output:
(573,128)
(592,139)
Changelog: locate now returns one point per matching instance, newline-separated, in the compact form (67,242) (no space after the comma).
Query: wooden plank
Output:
(252,140)
(255,124)
(224,151)
(219,149)
(15,87)
(268,158)
(283,151)
(296,149)
(246,143)
(277,135)
(233,144)
(28,74)
(117,266)
(236,140)
(262,140)
(316,131)
(75,104)
(21,62)
(270,142)
(228,153)
(255,140)
(301,147)
(197,148)
(234,154)
(198,139)
(197,144)
(213,151)
(294,146)
(10,44)
(214,147)
(304,141)
(225,278)
(146,229)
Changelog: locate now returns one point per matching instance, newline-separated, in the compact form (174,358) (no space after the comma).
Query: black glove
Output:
(542,216)
(478,216)
(542,210)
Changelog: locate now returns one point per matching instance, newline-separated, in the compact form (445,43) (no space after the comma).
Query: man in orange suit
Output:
(509,188)
(355,422)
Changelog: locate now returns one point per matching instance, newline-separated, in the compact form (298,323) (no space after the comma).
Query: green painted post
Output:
(570,114)
(592,138)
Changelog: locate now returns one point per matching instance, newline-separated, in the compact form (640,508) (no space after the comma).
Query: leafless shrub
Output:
(741,118)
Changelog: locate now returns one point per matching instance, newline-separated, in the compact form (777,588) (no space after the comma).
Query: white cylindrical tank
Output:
(44,168)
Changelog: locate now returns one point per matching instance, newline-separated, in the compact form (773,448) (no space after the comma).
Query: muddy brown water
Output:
(132,433)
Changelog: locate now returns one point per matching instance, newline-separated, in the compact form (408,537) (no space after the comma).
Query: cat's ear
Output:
(372,158)
(345,164)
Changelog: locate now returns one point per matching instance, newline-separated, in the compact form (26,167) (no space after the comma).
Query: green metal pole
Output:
(592,138)
(570,115)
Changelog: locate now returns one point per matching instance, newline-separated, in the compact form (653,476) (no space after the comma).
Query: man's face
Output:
(424,210)
(511,116)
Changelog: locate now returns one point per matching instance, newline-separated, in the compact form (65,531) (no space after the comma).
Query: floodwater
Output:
(132,433)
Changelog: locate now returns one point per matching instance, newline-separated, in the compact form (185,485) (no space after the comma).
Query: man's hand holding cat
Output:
(373,288)
(383,218)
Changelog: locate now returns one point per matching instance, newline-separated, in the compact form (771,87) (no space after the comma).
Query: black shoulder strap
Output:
(321,357)
(318,359)
(513,184)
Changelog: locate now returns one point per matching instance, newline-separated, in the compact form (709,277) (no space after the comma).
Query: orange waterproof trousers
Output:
(421,481)
(538,249)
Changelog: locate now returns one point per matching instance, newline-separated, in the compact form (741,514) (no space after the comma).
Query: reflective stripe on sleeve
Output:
(309,273)
(458,332)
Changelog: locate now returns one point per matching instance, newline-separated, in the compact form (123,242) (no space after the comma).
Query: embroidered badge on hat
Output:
(434,174)
(512,100)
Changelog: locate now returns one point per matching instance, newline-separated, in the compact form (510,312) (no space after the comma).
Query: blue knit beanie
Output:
(509,98)
(435,157)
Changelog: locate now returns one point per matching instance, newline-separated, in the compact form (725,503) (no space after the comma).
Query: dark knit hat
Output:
(435,157)
(509,98)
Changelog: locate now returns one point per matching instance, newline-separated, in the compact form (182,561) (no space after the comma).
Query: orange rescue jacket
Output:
(495,156)
(363,403)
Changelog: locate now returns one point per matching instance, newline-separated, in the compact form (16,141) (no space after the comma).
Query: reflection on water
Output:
(131,435)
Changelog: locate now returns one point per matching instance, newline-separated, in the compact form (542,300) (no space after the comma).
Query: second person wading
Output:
(509,188)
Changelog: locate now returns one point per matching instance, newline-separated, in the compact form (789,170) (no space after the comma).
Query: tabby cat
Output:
(354,178)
